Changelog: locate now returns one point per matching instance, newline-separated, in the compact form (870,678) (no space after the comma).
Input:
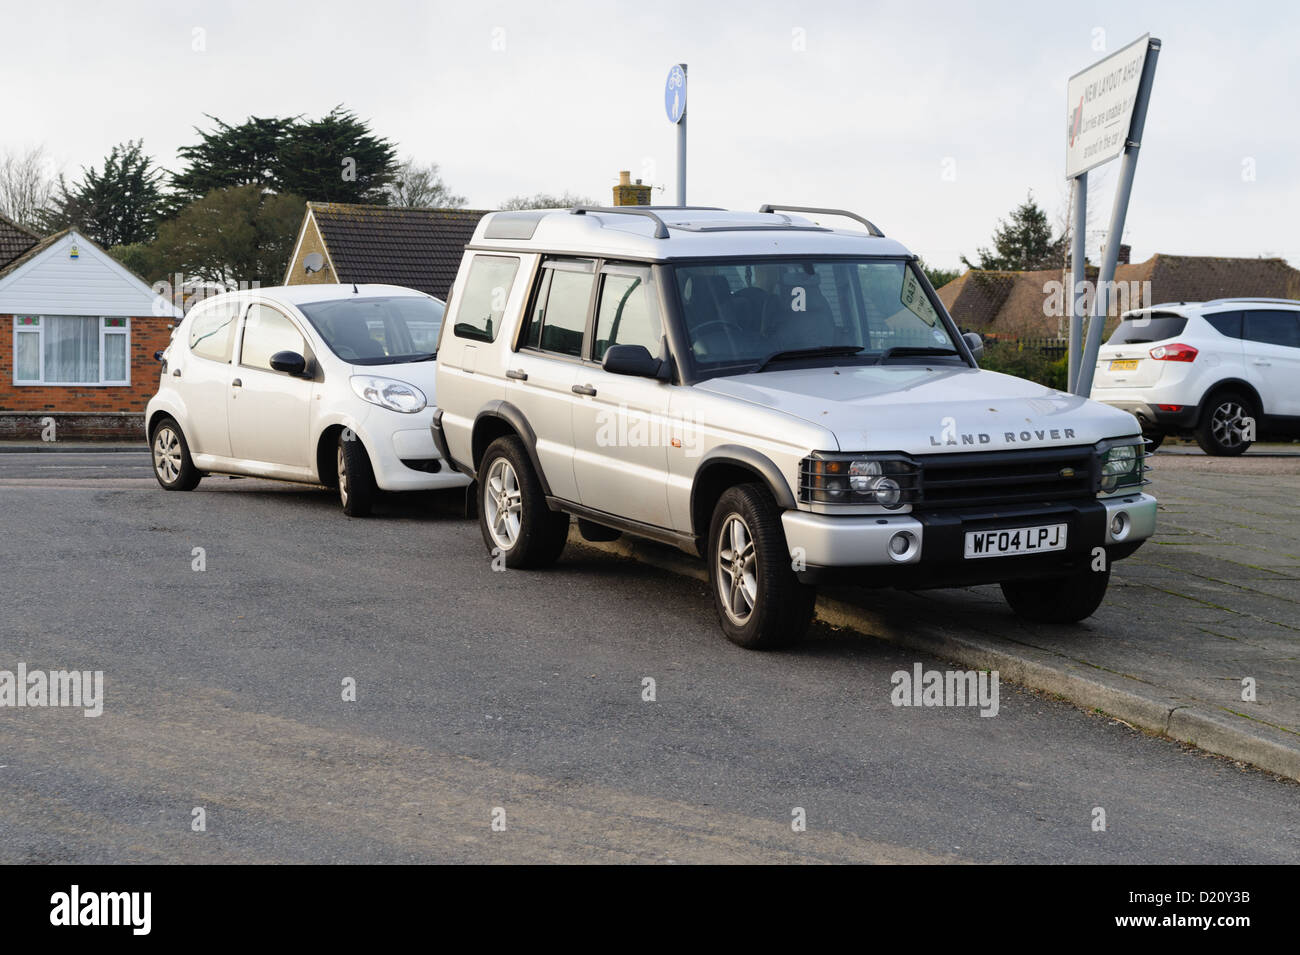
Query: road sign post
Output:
(675,107)
(1107,106)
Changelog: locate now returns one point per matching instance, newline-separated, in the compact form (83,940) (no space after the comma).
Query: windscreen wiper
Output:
(825,351)
(426,356)
(920,351)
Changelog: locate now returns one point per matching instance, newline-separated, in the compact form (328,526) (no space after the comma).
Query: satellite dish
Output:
(313,262)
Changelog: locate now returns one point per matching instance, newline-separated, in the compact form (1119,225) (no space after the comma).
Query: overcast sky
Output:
(857,105)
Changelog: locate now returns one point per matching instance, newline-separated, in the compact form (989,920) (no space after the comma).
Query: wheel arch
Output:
(502,419)
(726,466)
(1229,384)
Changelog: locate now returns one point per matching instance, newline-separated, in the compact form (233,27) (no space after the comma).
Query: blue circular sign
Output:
(675,94)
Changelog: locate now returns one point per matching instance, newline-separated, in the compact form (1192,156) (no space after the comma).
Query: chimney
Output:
(627,193)
(1125,252)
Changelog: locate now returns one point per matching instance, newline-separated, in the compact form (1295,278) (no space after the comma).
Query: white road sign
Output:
(1100,101)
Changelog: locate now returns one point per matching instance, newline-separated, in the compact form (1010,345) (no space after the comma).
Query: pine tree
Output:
(336,159)
(1022,244)
(119,206)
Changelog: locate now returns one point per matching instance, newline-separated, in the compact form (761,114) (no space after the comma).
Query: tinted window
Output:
(1271,327)
(627,314)
(377,331)
(212,331)
(564,318)
(1150,327)
(478,316)
(1226,323)
(266,332)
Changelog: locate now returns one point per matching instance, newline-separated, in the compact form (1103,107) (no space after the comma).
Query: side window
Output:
(559,318)
(627,314)
(1273,327)
(483,303)
(212,332)
(1226,323)
(267,331)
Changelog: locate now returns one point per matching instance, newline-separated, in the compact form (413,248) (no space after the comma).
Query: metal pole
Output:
(1078,276)
(1101,300)
(681,151)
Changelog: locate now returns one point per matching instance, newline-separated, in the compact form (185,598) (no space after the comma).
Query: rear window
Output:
(483,303)
(1226,323)
(1149,327)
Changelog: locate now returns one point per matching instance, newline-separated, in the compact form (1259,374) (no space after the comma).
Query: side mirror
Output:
(631,360)
(975,343)
(289,362)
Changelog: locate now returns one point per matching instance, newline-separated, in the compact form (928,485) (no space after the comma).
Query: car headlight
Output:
(1121,466)
(389,393)
(884,480)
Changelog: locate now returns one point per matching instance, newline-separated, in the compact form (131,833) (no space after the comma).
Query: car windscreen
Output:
(378,330)
(744,315)
(1147,327)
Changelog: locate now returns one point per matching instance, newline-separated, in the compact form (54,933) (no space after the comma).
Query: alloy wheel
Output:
(503,504)
(1228,424)
(737,570)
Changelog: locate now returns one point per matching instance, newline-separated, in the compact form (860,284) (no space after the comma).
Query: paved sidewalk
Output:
(1212,599)
(71,447)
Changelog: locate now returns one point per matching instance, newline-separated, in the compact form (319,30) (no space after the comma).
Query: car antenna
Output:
(354,289)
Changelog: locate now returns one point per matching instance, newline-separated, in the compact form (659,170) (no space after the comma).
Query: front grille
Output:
(999,478)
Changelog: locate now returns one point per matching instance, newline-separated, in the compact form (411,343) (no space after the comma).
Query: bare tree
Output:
(421,187)
(543,200)
(26,186)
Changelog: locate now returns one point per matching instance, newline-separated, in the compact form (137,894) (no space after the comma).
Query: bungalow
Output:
(417,248)
(1034,304)
(78,332)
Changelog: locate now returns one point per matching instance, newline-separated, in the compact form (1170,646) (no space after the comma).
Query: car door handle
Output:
(176,373)
(1260,361)
(236,384)
(584,390)
(518,374)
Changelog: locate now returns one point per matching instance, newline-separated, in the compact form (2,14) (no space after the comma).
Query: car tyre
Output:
(1065,599)
(172,465)
(356,478)
(760,602)
(512,512)
(1220,430)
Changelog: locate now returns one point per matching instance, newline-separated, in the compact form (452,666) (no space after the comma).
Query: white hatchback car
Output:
(322,384)
(1226,372)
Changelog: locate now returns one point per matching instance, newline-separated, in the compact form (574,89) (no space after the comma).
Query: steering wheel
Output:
(728,329)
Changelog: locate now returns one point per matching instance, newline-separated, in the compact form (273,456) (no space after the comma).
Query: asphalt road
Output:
(519,691)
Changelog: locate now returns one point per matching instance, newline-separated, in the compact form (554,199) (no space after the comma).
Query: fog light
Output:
(1119,525)
(902,545)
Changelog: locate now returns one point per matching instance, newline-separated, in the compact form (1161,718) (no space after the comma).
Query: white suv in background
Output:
(323,384)
(1226,371)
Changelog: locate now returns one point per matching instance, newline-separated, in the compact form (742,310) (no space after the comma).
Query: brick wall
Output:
(148,335)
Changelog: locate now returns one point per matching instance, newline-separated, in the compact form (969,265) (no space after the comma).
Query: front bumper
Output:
(858,548)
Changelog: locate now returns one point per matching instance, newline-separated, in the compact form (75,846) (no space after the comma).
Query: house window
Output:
(71,350)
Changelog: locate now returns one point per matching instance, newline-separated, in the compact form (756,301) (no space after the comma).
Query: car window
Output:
(559,320)
(267,331)
(482,304)
(1272,327)
(1225,323)
(212,331)
(378,330)
(1147,327)
(628,313)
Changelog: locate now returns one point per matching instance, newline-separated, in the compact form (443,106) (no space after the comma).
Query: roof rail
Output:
(661,228)
(871,226)
(1250,298)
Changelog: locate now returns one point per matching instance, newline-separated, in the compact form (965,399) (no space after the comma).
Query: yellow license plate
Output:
(1124,364)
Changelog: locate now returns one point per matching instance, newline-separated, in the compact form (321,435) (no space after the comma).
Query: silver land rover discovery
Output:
(788,400)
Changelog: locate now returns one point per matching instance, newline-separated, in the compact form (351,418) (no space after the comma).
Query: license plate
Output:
(1015,540)
(1124,364)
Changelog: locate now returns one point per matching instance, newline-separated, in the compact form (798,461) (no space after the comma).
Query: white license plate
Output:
(1015,540)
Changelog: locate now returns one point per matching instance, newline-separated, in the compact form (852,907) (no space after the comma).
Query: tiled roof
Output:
(30,253)
(1017,303)
(417,248)
(14,240)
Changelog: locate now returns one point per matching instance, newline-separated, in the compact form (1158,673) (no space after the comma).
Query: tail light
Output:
(1174,352)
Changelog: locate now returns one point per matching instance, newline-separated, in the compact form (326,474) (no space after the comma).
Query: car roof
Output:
(662,233)
(1190,308)
(319,292)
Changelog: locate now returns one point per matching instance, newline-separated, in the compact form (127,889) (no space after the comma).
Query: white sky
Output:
(863,118)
